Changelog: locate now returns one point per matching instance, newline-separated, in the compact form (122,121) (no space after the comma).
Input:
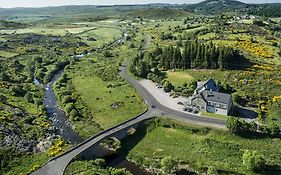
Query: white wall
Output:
(216,110)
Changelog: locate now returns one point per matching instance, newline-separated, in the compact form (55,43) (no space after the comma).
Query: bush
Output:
(38,102)
(168,86)
(212,170)
(168,164)
(29,97)
(17,91)
(237,126)
(67,99)
(234,125)
(69,107)
(107,53)
(99,162)
(253,160)
(74,115)
(236,98)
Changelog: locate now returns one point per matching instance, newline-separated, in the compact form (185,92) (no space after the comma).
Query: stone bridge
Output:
(87,149)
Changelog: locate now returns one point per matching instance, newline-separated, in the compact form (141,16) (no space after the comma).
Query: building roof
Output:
(216,96)
(202,83)
(209,84)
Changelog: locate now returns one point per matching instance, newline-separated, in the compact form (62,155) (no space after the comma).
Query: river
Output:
(66,130)
(57,115)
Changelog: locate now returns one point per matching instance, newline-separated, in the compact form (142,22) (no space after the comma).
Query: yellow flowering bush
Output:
(58,148)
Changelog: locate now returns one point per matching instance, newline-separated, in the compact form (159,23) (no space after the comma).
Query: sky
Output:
(44,3)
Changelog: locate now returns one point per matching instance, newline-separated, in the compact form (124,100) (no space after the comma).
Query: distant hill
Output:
(221,6)
(157,13)
(151,11)
(217,6)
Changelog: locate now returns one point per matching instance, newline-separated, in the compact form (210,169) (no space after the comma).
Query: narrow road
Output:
(154,105)
(57,165)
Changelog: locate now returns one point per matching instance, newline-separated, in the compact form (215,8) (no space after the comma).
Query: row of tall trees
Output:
(191,55)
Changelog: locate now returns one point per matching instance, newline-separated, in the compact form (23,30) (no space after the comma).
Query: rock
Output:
(25,145)
(43,146)
(117,104)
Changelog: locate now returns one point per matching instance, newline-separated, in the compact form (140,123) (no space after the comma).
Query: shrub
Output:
(29,97)
(107,53)
(99,162)
(74,115)
(131,45)
(67,99)
(168,164)
(38,102)
(234,125)
(69,107)
(212,170)
(253,160)
(236,98)
(168,86)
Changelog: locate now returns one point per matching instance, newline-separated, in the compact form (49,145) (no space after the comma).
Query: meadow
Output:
(102,35)
(100,89)
(199,148)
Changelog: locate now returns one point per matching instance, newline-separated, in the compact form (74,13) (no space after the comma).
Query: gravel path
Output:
(163,97)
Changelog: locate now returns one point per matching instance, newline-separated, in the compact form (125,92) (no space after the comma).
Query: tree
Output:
(234,125)
(168,86)
(235,98)
(253,160)
(29,97)
(69,107)
(67,99)
(74,115)
(17,91)
(220,59)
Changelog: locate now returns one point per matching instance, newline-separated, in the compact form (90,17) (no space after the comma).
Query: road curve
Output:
(153,104)
(57,165)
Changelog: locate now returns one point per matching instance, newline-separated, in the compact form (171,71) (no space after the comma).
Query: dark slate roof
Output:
(216,96)
(209,84)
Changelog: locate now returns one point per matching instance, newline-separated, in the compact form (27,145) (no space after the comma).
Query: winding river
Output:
(57,115)
(67,131)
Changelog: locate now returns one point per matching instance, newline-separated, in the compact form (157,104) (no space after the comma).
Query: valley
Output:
(85,88)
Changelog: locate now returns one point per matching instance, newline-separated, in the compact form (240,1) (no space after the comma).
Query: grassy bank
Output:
(199,148)
(98,89)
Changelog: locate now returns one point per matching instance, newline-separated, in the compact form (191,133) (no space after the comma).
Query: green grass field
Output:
(99,98)
(48,31)
(213,115)
(201,149)
(102,35)
(178,78)
(112,101)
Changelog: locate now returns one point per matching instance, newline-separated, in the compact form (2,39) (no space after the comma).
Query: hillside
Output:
(217,6)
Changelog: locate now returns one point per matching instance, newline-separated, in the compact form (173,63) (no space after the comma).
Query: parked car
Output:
(180,103)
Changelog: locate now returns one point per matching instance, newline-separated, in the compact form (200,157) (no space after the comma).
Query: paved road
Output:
(154,105)
(57,165)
